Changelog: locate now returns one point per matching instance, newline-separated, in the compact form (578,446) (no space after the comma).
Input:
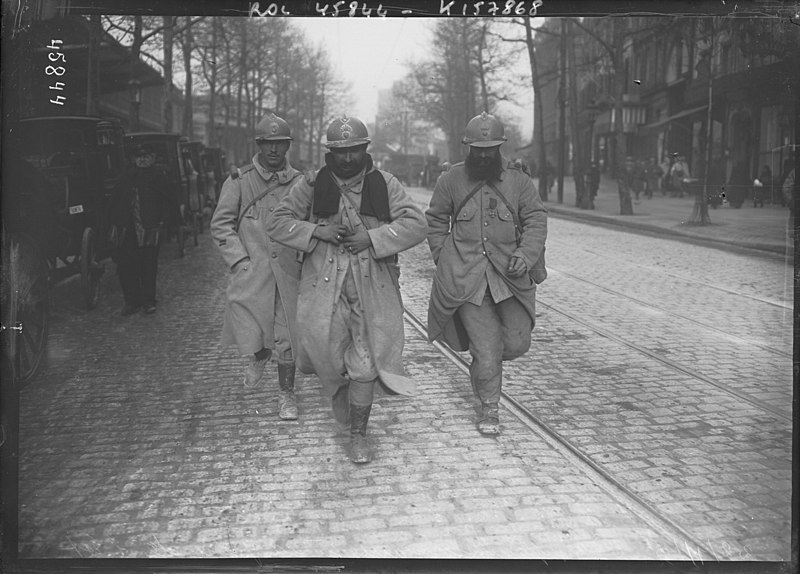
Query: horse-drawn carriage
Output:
(61,174)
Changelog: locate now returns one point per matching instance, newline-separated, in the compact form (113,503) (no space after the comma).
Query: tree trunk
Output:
(212,88)
(188,110)
(583,198)
(168,39)
(619,31)
(136,46)
(539,116)
(562,100)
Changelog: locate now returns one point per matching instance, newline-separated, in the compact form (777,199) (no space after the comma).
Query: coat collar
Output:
(284,175)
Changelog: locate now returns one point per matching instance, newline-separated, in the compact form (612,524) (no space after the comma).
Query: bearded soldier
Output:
(262,294)
(486,231)
(351,220)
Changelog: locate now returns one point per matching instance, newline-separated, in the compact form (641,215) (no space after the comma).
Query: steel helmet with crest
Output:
(484,130)
(346,132)
(273,128)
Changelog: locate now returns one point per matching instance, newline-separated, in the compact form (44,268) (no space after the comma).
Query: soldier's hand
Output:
(358,241)
(330,233)
(517,266)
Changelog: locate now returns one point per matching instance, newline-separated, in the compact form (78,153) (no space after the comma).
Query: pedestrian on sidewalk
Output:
(625,184)
(762,186)
(138,214)
(738,184)
(487,227)
(678,173)
(351,220)
(666,178)
(262,293)
(653,175)
(788,193)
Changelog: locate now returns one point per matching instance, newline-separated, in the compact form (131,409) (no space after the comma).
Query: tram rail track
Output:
(670,313)
(772,302)
(666,527)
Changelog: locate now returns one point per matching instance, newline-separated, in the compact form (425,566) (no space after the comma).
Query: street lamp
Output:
(135,90)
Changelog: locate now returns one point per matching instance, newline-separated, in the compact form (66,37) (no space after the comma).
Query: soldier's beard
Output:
(480,169)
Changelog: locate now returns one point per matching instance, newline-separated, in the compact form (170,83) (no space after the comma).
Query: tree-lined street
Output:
(139,441)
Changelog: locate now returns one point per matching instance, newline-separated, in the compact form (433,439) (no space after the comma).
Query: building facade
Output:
(669,77)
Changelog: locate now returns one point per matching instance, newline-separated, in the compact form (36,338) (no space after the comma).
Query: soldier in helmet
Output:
(486,230)
(262,294)
(351,220)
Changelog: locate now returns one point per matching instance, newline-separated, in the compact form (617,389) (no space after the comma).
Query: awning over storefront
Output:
(672,118)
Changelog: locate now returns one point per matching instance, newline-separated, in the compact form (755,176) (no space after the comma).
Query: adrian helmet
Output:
(273,128)
(346,132)
(484,130)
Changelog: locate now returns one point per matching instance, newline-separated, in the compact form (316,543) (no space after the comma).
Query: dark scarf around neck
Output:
(374,192)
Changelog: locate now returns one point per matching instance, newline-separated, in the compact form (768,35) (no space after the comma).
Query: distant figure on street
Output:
(262,293)
(487,227)
(678,173)
(666,177)
(762,186)
(351,220)
(639,178)
(652,174)
(138,214)
(738,184)
(625,183)
(788,192)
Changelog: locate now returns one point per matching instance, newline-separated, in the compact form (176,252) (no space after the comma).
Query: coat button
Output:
(274,255)
(486,224)
(330,259)
(338,268)
(327,279)
(341,251)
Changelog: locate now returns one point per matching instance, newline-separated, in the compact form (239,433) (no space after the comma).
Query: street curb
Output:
(761,249)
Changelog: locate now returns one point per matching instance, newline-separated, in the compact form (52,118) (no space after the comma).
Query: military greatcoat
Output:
(249,313)
(375,271)
(481,235)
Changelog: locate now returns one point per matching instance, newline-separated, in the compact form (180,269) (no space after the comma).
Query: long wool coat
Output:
(375,271)
(249,313)
(481,234)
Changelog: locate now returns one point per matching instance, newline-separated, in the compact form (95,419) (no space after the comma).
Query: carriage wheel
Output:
(197,225)
(181,233)
(26,304)
(91,270)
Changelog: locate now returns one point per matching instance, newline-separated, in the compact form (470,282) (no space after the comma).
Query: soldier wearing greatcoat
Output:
(351,220)
(486,230)
(262,293)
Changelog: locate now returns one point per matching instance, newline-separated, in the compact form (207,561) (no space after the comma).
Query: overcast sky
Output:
(370,53)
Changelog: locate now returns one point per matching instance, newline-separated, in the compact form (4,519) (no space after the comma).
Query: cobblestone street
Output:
(658,366)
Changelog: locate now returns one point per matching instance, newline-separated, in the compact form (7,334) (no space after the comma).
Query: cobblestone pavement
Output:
(662,420)
(140,441)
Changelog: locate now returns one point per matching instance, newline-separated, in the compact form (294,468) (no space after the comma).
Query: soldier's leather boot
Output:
(489,423)
(360,452)
(287,403)
(340,403)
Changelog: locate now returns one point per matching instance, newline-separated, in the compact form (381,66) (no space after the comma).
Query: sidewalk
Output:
(762,229)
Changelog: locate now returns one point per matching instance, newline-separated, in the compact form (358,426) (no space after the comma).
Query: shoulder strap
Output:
(466,199)
(259,196)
